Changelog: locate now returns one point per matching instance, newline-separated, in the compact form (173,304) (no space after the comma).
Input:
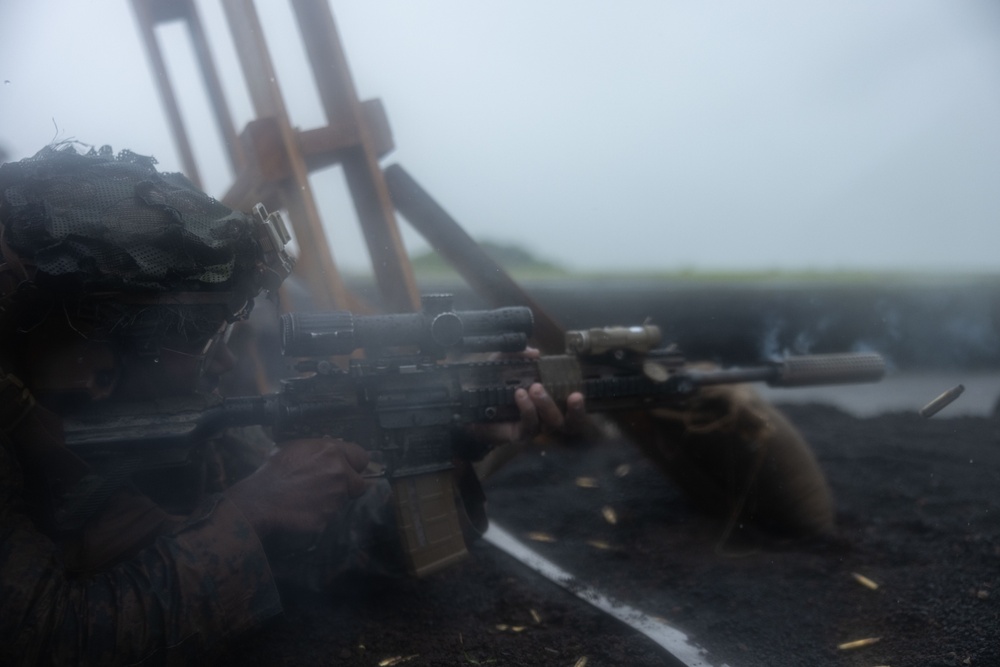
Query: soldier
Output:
(120,283)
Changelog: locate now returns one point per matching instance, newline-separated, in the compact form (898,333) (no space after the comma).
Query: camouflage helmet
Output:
(106,229)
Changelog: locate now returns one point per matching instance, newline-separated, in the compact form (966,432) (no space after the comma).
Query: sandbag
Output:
(736,457)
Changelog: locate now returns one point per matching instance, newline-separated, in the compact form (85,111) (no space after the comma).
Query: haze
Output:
(647,135)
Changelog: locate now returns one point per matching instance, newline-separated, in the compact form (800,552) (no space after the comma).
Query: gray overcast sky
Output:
(642,134)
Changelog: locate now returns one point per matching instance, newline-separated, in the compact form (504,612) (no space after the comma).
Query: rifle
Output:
(407,401)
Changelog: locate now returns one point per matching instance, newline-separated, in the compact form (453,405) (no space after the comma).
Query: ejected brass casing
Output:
(941,402)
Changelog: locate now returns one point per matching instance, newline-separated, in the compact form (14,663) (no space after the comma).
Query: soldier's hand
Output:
(539,415)
(302,485)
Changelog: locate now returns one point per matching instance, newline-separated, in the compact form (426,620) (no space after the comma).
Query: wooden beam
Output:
(481,271)
(272,161)
(315,265)
(213,88)
(326,146)
(265,170)
(393,272)
(148,14)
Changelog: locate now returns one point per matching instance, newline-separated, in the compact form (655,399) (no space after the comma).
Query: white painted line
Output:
(673,640)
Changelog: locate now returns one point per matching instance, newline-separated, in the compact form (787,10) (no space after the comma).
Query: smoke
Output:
(911,327)
(783,336)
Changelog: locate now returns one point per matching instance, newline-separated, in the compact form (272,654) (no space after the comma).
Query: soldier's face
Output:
(71,371)
(176,369)
(66,369)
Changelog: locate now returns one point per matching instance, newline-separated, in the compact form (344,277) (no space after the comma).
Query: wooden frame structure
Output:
(272,160)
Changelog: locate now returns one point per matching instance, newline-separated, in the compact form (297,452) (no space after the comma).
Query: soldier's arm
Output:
(203,583)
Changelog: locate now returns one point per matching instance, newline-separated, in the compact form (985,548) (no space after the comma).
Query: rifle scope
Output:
(342,332)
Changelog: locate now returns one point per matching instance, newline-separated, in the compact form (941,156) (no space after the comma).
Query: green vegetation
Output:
(522,265)
(517,261)
(844,277)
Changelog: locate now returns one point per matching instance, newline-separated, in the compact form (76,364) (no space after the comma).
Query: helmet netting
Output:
(101,222)
(97,225)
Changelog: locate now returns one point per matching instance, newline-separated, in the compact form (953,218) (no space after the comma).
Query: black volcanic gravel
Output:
(918,505)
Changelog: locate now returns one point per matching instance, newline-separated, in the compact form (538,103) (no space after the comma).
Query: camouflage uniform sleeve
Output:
(192,590)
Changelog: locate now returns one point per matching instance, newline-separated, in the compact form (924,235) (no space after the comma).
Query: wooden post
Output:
(272,160)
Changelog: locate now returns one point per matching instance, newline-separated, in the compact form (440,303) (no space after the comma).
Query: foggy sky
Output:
(646,135)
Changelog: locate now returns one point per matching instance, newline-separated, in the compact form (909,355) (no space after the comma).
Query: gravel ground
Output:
(918,514)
